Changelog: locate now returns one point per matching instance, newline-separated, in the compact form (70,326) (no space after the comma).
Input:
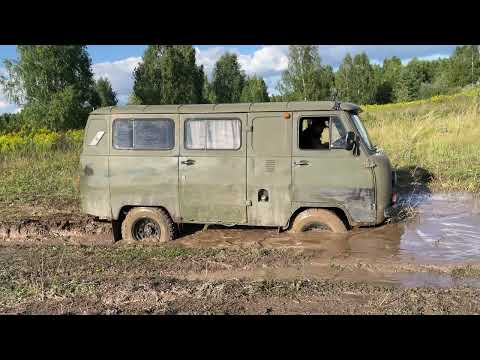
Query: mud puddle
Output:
(445,227)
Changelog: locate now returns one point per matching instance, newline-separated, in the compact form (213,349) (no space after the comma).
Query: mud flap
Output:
(116,230)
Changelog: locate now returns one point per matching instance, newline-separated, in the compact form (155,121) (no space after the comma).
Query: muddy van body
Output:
(149,168)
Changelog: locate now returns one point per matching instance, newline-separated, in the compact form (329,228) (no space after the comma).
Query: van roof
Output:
(226,108)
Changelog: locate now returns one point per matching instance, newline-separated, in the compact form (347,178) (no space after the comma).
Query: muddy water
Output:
(444,228)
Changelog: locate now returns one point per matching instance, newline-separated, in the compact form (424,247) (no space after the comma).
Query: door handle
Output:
(188,162)
(301,163)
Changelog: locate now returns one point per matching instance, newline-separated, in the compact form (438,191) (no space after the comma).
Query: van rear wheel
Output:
(318,220)
(145,223)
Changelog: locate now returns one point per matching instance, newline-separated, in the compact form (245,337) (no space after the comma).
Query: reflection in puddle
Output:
(446,227)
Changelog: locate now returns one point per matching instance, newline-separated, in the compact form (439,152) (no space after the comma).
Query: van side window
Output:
(213,134)
(144,134)
(314,133)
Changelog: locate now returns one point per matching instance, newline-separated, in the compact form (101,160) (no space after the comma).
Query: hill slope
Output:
(440,135)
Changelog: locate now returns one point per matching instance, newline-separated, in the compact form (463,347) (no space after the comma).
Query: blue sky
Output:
(118,61)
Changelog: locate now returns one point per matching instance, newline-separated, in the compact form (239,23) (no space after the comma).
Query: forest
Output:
(55,88)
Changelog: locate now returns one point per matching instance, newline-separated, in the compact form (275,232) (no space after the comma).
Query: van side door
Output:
(269,172)
(328,177)
(212,168)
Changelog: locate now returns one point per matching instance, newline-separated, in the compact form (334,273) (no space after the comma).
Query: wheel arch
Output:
(339,210)
(122,212)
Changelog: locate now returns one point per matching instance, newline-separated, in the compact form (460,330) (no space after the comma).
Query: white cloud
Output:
(209,57)
(5,105)
(265,61)
(120,74)
(268,61)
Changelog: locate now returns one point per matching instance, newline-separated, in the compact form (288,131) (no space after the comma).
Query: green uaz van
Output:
(298,165)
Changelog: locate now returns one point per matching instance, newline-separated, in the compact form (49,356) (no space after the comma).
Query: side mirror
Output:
(346,143)
(349,140)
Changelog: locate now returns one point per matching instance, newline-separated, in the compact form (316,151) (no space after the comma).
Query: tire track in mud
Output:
(58,227)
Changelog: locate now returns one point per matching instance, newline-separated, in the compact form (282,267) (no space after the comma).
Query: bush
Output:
(44,140)
(12,142)
(40,141)
(10,123)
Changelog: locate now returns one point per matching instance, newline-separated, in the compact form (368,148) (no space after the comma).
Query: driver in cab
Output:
(311,137)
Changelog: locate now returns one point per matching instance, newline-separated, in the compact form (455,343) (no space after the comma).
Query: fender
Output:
(296,206)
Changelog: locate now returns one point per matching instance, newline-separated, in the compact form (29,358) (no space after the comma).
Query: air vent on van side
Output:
(270,166)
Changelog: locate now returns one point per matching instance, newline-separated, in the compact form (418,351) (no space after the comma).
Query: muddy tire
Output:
(143,223)
(318,220)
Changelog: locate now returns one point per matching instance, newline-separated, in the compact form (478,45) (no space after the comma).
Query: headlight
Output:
(394,198)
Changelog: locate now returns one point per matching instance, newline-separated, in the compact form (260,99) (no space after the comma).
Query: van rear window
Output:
(144,134)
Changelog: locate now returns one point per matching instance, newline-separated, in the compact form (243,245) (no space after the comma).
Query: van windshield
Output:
(362,131)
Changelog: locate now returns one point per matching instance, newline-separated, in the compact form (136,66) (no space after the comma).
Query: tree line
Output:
(55,87)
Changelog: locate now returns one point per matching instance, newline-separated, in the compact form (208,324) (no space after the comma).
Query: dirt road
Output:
(59,262)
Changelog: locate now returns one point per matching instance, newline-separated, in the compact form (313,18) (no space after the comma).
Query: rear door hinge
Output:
(248,203)
(370,163)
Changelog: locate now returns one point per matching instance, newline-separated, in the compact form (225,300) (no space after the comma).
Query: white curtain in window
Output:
(223,134)
(213,134)
(195,134)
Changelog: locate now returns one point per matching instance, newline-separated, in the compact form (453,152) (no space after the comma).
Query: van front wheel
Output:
(144,223)
(318,220)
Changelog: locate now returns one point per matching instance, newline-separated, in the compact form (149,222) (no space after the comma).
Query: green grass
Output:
(466,271)
(45,178)
(40,167)
(441,138)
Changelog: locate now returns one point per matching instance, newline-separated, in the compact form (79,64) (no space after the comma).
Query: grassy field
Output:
(440,136)
(39,168)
